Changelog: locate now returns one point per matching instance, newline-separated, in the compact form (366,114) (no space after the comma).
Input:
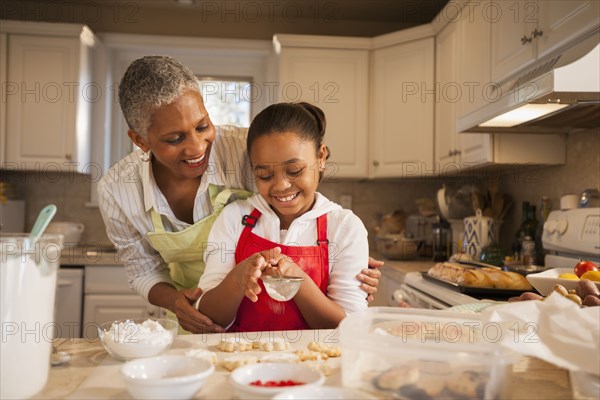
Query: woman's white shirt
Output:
(128,191)
(348,245)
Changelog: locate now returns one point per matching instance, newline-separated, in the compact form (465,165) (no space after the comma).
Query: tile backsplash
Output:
(370,198)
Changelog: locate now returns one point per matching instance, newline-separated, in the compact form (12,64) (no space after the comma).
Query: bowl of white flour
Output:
(137,337)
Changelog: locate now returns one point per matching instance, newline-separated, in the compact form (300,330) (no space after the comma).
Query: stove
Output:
(568,236)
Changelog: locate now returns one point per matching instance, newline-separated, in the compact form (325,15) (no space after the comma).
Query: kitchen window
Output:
(227,100)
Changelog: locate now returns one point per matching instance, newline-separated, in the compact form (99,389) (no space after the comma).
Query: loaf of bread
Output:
(488,278)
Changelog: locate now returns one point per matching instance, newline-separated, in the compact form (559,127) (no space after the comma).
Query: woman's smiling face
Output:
(286,169)
(180,137)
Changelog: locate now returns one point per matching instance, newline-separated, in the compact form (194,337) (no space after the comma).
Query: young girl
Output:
(288,226)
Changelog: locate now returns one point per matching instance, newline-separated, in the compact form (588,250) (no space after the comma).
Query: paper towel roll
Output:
(569,201)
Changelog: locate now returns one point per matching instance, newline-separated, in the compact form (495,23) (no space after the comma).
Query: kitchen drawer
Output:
(106,279)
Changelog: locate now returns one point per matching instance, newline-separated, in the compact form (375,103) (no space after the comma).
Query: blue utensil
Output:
(41,223)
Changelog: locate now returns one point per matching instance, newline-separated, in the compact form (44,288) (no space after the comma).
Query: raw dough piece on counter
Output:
(309,355)
(330,351)
(276,344)
(207,355)
(230,345)
(233,362)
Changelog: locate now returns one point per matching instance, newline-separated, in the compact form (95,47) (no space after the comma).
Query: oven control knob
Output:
(562,226)
(550,226)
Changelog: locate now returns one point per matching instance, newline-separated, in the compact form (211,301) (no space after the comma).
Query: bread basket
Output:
(397,246)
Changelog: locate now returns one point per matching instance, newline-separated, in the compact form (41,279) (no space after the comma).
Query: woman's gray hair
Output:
(149,83)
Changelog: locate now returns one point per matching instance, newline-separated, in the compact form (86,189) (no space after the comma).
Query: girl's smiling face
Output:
(180,137)
(286,169)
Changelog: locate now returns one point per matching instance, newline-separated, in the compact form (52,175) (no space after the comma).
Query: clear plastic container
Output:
(28,287)
(416,353)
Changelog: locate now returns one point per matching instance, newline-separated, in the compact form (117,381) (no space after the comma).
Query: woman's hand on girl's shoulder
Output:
(369,278)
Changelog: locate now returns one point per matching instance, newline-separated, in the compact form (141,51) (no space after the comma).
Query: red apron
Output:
(267,314)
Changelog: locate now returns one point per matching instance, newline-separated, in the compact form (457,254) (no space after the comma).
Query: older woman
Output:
(159,202)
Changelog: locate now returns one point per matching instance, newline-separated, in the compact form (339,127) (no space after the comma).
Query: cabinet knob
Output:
(376,163)
(68,157)
(525,39)
(457,152)
(536,33)
(450,153)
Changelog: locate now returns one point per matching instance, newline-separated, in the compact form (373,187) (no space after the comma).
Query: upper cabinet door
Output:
(47,118)
(563,21)
(402,109)
(512,25)
(336,81)
(449,92)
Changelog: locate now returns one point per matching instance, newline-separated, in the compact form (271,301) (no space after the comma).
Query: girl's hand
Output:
(369,278)
(278,261)
(248,272)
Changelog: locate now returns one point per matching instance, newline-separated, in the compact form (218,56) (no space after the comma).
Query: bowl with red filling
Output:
(265,380)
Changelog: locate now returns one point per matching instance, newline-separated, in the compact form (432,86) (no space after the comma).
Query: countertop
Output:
(92,373)
(89,254)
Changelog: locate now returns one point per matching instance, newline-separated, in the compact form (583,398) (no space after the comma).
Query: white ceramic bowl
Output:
(543,282)
(137,337)
(243,376)
(165,377)
(322,393)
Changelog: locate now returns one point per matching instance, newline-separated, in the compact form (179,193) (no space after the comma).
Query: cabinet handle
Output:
(525,39)
(376,163)
(457,152)
(536,33)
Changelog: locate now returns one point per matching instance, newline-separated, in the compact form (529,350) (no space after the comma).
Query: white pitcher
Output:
(28,287)
(480,231)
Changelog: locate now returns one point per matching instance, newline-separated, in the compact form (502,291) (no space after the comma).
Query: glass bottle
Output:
(521,232)
(545,208)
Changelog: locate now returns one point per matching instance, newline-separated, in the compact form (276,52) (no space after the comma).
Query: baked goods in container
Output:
(488,278)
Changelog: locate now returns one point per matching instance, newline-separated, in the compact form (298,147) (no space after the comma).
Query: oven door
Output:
(418,299)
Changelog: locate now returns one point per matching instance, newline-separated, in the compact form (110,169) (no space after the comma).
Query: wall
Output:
(581,171)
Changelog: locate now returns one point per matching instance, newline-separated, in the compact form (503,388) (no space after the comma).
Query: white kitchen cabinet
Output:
(463,74)
(3,52)
(447,140)
(331,73)
(402,109)
(107,297)
(49,95)
(524,30)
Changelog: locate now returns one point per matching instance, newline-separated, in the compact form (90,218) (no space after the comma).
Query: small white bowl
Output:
(165,377)
(543,282)
(323,393)
(130,339)
(243,376)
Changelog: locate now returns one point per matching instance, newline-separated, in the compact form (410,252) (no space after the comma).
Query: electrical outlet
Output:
(346,201)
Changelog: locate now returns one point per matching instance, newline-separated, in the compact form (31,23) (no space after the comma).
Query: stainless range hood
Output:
(559,94)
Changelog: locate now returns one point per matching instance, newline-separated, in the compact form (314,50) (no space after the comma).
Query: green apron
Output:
(184,250)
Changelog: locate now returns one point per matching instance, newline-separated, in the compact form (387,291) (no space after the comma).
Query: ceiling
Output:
(252,19)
